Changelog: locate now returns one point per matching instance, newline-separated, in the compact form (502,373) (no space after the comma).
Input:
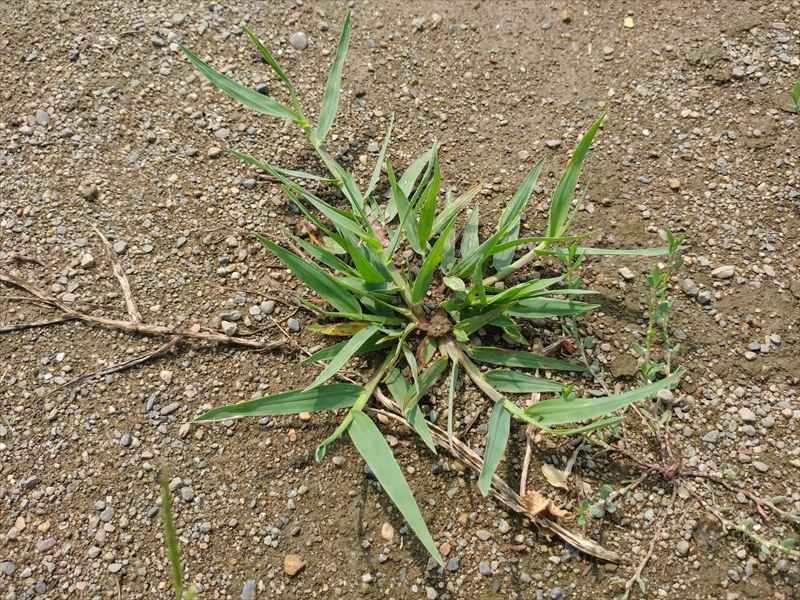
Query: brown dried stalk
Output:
(500,489)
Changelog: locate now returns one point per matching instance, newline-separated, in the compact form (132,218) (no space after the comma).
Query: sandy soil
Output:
(104,123)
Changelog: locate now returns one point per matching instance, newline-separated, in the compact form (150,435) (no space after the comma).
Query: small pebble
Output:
(387,532)
(626,274)
(299,40)
(723,272)
(293,564)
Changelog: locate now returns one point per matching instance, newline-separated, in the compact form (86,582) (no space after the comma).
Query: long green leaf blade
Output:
(326,397)
(565,191)
(511,331)
(407,181)
(466,327)
(411,174)
(496,442)
(373,448)
(470,240)
(558,411)
(454,208)
(523,289)
(350,189)
(376,172)
(250,98)
(428,267)
(584,251)
(428,204)
(416,419)
(365,268)
(330,99)
(514,382)
(520,359)
(543,308)
(347,352)
(315,278)
(408,221)
(268,168)
(342,219)
(510,219)
(325,257)
(270,60)
(427,379)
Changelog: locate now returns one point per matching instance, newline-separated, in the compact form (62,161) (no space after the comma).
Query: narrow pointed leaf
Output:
(565,191)
(370,443)
(454,208)
(558,411)
(472,324)
(342,219)
(514,382)
(270,60)
(429,266)
(427,380)
(478,256)
(372,345)
(266,168)
(411,174)
(449,257)
(428,204)
(325,257)
(496,442)
(510,219)
(250,98)
(416,419)
(592,426)
(315,278)
(455,283)
(520,359)
(376,172)
(365,268)
(584,251)
(326,397)
(330,99)
(412,364)
(347,352)
(524,289)
(407,182)
(470,240)
(511,331)
(408,222)
(543,308)
(350,189)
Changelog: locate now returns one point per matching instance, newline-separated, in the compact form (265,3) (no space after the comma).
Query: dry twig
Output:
(122,278)
(69,313)
(131,362)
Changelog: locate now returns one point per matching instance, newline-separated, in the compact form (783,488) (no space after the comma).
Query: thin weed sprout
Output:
(794,93)
(658,306)
(171,539)
(421,317)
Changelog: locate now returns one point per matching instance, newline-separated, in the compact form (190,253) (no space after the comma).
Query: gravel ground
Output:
(104,123)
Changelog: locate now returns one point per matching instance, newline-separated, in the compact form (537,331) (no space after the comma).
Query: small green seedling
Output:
(795,95)
(599,509)
(658,305)
(173,550)
(424,313)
